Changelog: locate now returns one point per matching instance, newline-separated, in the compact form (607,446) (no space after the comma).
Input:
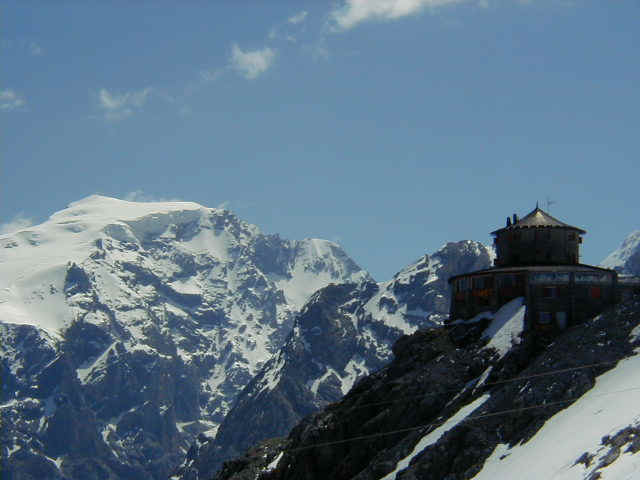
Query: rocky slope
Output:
(481,400)
(129,328)
(342,333)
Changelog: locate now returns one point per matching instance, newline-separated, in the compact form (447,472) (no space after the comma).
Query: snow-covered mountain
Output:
(483,399)
(342,334)
(129,328)
(626,258)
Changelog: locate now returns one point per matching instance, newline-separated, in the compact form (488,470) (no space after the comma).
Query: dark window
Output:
(549,292)
(561,320)
(516,236)
(544,318)
(596,292)
(572,236)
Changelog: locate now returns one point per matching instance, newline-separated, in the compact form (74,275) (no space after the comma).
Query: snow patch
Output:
(356,368)
(634,335)
(272,375)
(316,383)
(435,435)
(274,463)
(506,326)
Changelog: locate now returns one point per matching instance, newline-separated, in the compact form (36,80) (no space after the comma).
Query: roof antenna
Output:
(537,207)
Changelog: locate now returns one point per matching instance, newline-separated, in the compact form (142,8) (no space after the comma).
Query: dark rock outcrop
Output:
(382,418)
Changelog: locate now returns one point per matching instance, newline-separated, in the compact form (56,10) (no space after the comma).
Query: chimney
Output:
(515,218)
(508,221)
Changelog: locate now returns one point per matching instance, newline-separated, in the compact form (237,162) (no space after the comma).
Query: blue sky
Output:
(389,126)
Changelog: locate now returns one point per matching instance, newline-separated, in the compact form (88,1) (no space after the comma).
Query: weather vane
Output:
(549,203)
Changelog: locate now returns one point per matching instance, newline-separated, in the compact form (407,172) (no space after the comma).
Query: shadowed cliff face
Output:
(460,409)
(342,333)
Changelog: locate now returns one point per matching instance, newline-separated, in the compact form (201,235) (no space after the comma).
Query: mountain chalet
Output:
(538,258)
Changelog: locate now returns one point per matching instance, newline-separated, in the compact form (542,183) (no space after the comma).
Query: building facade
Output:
(538,258)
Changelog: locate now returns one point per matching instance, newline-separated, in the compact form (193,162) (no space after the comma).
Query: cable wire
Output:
(433,426)
(488,384)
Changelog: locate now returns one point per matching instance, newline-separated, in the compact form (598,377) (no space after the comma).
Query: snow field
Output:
(612,404)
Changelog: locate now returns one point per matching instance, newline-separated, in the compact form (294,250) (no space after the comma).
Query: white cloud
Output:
(353,12)
(18,222)
(117,106)
(35,49)
(298,17)
(252,63)
(10,100)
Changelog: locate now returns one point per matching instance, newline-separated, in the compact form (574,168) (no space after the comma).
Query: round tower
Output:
(537,239)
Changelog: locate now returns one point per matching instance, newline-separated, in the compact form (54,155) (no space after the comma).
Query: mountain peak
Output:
(626,259)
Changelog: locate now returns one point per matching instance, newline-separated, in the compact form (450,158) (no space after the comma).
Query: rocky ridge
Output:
(474,400)
(342,333)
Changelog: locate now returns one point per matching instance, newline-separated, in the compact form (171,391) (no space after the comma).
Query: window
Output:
(596,292)
(549,292)
(480,283)
(572,236)
(544,318)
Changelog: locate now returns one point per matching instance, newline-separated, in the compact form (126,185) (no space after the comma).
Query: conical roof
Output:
(538,218)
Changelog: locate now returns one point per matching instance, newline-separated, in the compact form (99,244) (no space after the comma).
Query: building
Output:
(538,258)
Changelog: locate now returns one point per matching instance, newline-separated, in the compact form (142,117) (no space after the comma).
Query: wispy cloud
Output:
(290,28)
(119,105)
(35,49)
(252,63)
(354,12)
(298,17)
(211,75)
(140,196)
(18,222)
(23,45)
(10,100)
